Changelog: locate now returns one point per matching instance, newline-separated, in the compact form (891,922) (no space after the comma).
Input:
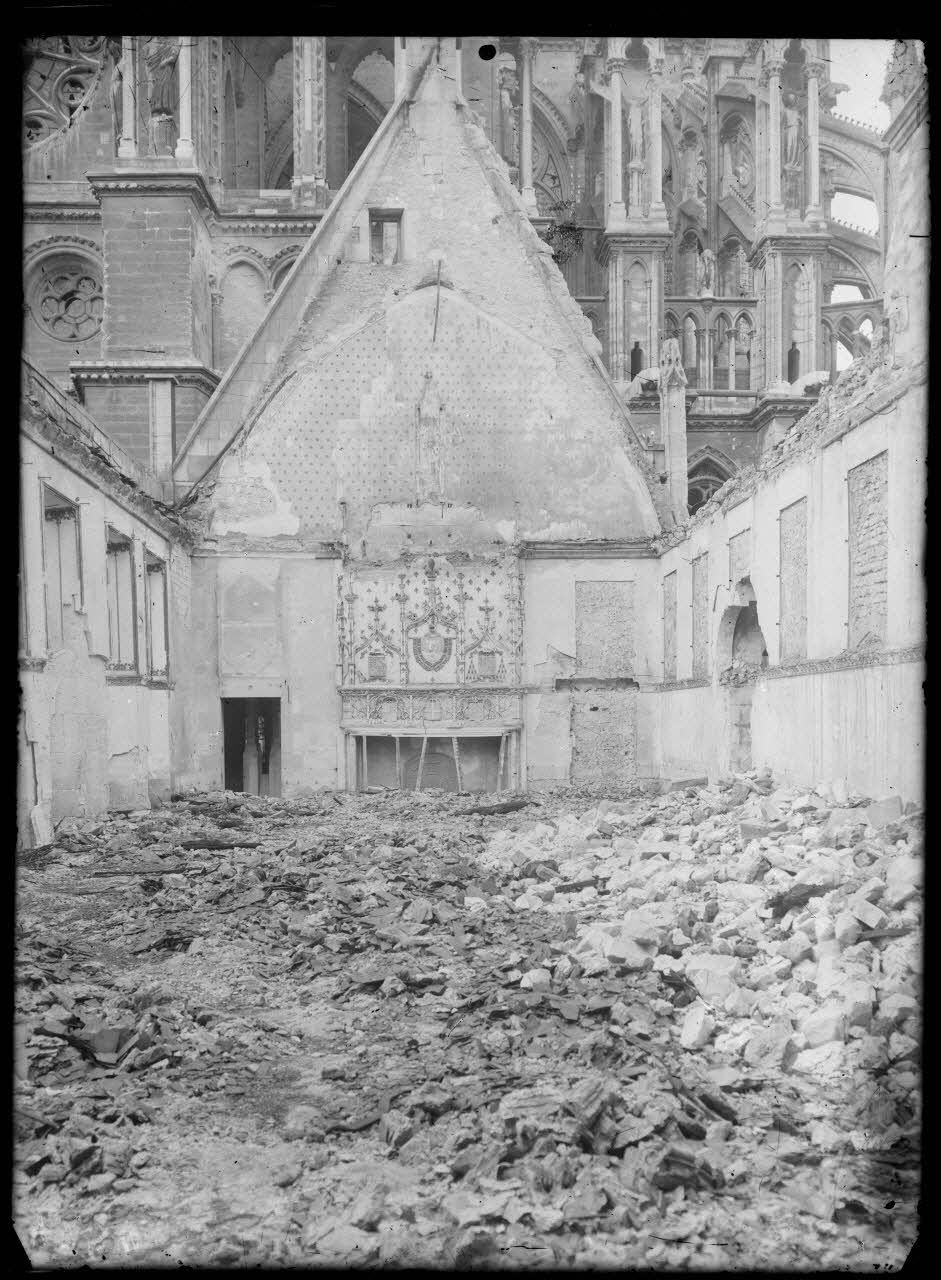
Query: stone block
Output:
(872,917)
(883,812)
(698,1026)
(903,880)
(823,1025)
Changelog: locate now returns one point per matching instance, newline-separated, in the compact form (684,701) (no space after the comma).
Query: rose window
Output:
(67,300)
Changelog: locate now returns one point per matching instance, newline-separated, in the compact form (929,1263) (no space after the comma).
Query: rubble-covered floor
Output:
(669,1031)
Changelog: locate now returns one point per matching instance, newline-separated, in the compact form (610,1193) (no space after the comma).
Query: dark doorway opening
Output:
(251,738)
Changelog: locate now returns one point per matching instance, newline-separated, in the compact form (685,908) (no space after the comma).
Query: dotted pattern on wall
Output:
(868,551)
(524,418)
(701,615)
(669,626)
(604,628)
(739,557)
(390,416)
(793,560)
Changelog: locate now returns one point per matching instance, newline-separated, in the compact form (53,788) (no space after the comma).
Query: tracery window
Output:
(704,480)
(65,297)
(60,73)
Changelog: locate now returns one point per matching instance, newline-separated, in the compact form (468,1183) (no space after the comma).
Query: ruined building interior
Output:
(478,413)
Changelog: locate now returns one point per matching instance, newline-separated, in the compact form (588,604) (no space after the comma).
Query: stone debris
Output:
(386,1030)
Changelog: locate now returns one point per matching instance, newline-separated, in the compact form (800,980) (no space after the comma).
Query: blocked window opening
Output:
(155,614)
(385,226)
(61,563)
(251,744)
(119,578)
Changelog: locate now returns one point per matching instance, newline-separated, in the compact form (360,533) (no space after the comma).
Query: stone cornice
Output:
(237,224)
(848,660)
(615,549)
(135,182)
(776,406)
(626,242)
(130,371)
(61,213)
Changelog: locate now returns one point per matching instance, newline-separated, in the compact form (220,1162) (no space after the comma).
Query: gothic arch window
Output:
(279,123)
(551,167)
(691,350)
(637,288)
(705,479)
(242,307)
(744,341)
(798,319)
(690,249)
(671,325)
(362,121)
(736,159)
(723,352)
(230,157)
(280,271)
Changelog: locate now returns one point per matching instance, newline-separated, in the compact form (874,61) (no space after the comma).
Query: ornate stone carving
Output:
(672,372)
(432,622)
(60,75)
(65,297)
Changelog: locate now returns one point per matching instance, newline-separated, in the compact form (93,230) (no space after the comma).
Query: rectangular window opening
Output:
(61,563)
(155,616)
(119,579)
(385,227)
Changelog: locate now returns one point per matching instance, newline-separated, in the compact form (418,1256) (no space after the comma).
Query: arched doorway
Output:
(742,654)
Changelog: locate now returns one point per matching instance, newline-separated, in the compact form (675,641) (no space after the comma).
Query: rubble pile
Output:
(669,1030)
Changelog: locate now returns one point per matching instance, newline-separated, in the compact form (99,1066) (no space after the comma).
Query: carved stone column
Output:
(814,72)
(655,164)
(127,147)
(616,213)
(527,190)
(184,144)
(774,69)
(310,109)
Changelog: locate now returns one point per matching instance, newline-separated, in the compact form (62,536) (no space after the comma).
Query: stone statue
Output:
(743,335)
(701,174)
(160,55)
(792,130)
(117,88)
(509,117)
(705,273)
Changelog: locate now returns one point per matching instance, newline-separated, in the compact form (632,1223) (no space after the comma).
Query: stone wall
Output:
(95,737)
(868,551)
(793,556)
(823,708)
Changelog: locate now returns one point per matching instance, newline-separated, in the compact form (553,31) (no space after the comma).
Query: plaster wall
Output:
(92,740)
(838,713)
(565,738)
(272,622)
